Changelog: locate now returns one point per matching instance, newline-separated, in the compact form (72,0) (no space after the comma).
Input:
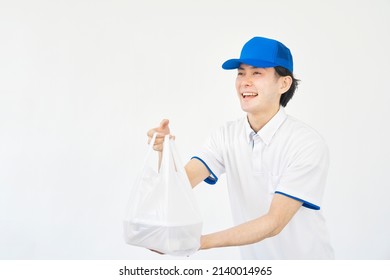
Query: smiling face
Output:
(259,89)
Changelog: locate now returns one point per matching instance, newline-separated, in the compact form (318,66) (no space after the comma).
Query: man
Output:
(275,165)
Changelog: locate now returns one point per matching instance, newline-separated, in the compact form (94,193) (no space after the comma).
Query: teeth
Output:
(249,94)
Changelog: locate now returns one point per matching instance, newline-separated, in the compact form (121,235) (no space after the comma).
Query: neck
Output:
(259,120)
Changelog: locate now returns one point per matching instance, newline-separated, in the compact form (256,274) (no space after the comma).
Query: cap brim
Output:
(235,63)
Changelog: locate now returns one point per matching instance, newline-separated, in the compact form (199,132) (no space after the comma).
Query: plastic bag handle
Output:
(166,154)
(176,158)
(170,158)
(150,148)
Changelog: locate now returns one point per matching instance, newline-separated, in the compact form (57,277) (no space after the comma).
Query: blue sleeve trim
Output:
(211,179)
(305,203)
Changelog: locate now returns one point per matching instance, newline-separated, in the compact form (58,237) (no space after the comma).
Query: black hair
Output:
(283,72)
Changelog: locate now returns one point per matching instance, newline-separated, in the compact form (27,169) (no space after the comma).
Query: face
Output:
(259,89)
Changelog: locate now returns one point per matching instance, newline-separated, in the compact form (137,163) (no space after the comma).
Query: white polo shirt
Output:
(287,157)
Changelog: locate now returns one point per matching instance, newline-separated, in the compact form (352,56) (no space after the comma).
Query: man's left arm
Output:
(281,211)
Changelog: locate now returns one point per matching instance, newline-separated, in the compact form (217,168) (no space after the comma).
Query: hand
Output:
(162,130)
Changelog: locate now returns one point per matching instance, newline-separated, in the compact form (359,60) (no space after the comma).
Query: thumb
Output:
(163,129)
(164,124)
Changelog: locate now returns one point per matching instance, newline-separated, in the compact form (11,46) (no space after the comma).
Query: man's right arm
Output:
(196,172)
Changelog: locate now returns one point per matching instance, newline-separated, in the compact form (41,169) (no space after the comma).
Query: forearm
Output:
(244,234)
(281,211)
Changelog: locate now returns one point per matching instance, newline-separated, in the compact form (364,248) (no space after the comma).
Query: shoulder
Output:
(301,130)
(228,132)
(302,137)
(231,128)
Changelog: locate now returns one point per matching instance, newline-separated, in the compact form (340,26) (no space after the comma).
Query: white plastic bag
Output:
(162,213)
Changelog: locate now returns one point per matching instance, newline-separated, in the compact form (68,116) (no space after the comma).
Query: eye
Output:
(256,73)
(240,74)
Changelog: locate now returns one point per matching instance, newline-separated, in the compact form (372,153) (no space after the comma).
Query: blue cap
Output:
(262,52)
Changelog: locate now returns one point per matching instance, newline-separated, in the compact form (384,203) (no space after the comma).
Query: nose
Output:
(246,82)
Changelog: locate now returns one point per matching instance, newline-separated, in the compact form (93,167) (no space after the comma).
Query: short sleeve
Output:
(211,155)
(305,176)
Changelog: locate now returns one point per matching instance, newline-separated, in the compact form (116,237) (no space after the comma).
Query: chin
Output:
(249,110)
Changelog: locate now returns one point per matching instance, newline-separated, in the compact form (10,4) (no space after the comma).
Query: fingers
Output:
(161,131)
(159,142)
(151,133)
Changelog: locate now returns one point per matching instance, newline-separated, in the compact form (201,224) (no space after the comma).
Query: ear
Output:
(285,84)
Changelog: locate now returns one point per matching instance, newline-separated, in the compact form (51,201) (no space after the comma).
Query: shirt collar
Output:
(269,129)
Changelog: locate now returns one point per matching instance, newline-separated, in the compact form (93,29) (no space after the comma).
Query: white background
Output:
(82,81)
